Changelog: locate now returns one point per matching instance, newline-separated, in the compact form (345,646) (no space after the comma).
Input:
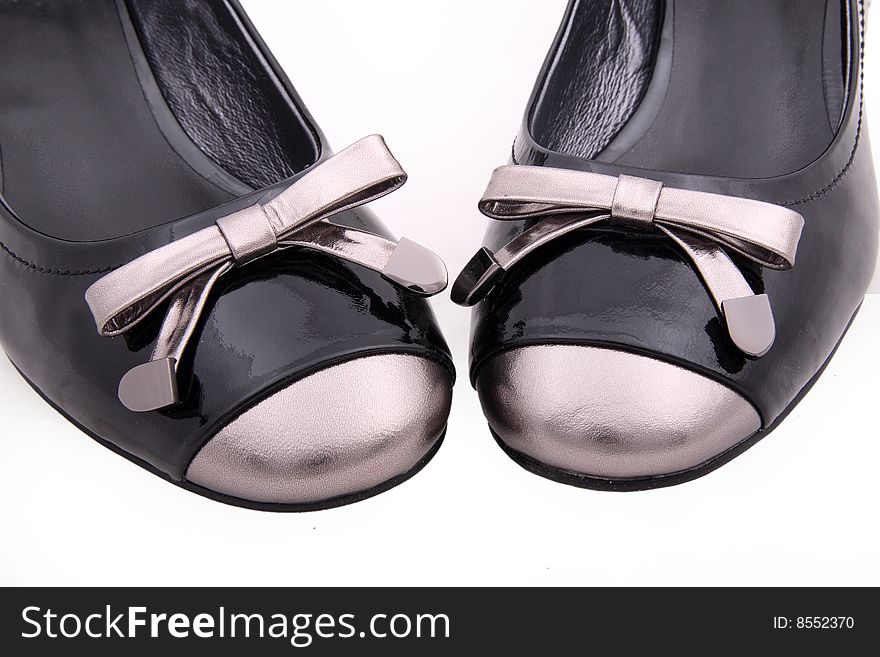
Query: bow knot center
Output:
(248,233)
(635,200)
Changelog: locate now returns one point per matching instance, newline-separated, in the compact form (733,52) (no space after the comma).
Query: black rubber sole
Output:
(330,503)
(629,484)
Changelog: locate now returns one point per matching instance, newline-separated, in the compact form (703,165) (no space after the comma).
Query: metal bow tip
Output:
(750,323)
(476,280)
(416,268)
(185,271)
(703,225)
(149,386)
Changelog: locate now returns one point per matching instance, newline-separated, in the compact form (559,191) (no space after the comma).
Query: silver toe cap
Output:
(609,413)
(342,430)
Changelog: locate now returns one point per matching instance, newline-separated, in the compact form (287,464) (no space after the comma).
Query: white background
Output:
(447,83)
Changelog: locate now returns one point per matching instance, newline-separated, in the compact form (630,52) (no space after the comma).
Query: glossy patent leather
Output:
(269,324)
(633,291)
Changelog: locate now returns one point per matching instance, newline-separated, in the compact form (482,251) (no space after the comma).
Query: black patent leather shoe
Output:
(688,227)
(190,276)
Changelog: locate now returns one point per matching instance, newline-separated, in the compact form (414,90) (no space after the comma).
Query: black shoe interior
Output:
(738,88)
(119,116)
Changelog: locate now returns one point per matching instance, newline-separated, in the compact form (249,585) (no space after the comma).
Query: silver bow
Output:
(185,270)
(700,223)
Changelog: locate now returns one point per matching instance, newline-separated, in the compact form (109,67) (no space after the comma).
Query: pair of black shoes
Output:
(191,277)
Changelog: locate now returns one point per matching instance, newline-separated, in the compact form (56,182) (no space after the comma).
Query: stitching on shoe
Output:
(852,156)
(53,272)
(806,199)
(846,167)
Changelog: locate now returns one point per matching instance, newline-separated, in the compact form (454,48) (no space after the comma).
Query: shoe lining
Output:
(87,153)
(754,88)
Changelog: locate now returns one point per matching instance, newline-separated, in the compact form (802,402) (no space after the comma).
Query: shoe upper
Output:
(264,327)
(635,291)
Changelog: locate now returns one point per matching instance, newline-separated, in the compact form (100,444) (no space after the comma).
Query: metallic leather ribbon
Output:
(700,223)
(186,270)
